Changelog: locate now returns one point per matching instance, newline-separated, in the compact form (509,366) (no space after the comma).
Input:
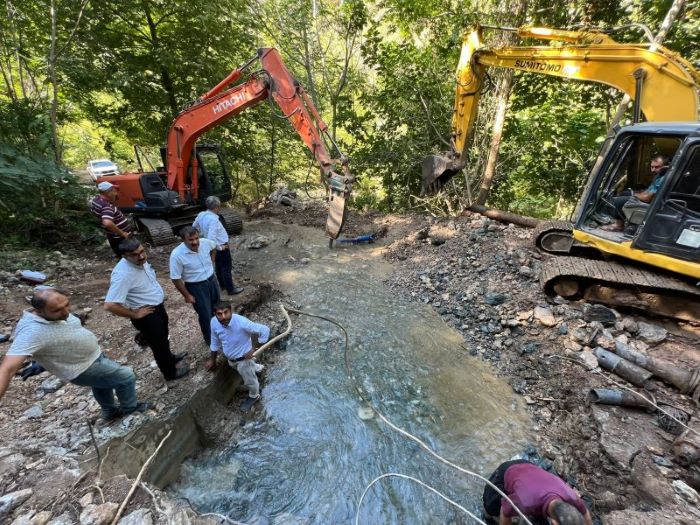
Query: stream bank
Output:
(478,275)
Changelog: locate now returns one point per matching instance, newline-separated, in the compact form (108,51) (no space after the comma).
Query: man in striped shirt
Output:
(111,218)
(210,227)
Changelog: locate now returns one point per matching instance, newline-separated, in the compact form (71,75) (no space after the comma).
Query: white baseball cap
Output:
(105,186)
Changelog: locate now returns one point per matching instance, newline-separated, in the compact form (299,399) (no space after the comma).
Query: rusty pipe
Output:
(607,396)
(636,375)
(687,381)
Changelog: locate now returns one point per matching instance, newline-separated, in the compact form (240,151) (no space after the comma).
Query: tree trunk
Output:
(503,95)
(165,79)
(51,70)
(670,18)
(504,90)
(504,216)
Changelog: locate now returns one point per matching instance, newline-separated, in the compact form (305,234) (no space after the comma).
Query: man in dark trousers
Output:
(539,495)
(192,272)
(51,335)
(134,293)
(111,218)
(210,227)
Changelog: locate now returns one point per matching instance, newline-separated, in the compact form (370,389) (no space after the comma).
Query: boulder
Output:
(545,316)
(11,501)
(651,333)
(99,514)
(138,517)
(600,313)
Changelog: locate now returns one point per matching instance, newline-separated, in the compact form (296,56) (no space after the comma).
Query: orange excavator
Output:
(164,200)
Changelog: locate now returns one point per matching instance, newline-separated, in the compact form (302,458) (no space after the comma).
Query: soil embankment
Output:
(481,276)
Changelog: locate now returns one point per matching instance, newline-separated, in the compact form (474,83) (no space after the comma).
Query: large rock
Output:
(650,482)
(33,518)
(138,517)
(651,333)
(11,501)
(545,316)
(99,514)
(600,313)
(63,519)
(687,492)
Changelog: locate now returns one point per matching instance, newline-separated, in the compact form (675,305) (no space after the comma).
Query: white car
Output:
(101,168)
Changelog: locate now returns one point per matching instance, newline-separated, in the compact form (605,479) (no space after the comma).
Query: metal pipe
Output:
(636,375)
(607,396)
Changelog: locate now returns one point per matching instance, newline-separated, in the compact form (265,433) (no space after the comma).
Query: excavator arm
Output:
(222,102)
(662,85)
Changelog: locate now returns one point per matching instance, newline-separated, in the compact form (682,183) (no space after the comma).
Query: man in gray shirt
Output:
(192,273)
(134,293)
(54,337)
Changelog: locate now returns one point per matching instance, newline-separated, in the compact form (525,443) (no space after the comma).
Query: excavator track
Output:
(158,231)
(233,222)
(557,238)
(621,285)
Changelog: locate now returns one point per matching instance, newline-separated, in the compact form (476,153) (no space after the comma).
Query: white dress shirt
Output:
(192,267)
(134,286)
(209,225)
(234,339)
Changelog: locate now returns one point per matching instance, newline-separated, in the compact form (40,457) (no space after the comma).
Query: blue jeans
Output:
(107,377)
(206,294)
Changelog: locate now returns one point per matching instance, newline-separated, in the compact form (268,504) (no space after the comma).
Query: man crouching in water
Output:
(543,497)
(233,335)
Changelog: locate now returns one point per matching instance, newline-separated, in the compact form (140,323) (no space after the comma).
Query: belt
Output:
(222,247)
(204,281)
(236,360)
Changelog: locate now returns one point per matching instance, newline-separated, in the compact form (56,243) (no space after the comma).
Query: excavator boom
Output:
(220,103)
(663,85)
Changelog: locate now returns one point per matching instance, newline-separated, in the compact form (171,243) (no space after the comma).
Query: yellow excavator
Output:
(653,264)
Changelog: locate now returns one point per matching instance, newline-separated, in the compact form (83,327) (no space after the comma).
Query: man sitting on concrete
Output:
(54,337)
(539,495)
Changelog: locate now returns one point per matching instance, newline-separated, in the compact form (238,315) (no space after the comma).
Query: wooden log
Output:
(504,216)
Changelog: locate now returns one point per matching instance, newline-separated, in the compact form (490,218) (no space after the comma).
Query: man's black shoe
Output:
(140,340)
(113,416)
(140,407)
(249,402)
(236,290)
(179,357)
(180,372)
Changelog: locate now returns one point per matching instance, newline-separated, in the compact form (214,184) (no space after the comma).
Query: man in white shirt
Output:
(210,227)
(54,337)
(233,335)
(192,273)
(134,293)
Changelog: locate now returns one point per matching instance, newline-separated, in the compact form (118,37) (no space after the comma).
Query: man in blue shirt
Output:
(134,293)
(658,168)
(237,337)
(210,227)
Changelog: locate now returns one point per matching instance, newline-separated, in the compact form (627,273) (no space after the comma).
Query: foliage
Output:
(41,202)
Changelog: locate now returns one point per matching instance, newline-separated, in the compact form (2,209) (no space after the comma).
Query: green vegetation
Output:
(84,79)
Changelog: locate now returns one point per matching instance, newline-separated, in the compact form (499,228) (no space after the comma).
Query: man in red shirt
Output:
(539,495)
(111,218)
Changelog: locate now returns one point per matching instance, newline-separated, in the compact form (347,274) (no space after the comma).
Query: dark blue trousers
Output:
(206,295)
(224,267)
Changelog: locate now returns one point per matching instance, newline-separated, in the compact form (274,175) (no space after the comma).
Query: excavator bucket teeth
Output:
(336,214)
(436,171)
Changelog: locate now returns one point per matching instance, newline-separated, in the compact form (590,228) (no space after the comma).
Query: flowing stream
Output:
(308,451)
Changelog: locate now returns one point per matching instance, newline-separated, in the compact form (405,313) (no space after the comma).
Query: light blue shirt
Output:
(134,286)
(192,267)
(234,340)
(656,184)
(209,226)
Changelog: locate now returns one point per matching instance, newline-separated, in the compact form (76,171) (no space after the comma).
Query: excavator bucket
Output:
(336,214)
(437,171)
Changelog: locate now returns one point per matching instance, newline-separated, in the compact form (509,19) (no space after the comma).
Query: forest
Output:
(85,80)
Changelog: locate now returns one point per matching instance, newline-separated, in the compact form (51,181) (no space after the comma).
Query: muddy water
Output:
(307,453)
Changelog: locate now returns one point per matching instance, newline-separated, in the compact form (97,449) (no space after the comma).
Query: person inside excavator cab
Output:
(628,205)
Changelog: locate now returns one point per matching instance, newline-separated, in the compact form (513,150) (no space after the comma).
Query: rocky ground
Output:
(481,276)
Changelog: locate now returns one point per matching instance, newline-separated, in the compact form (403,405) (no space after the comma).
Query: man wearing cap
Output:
(54,337)
(111,218)
(134,293)
(192,273)
(210,227)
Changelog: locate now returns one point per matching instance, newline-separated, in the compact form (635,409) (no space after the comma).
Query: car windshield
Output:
(102,164)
